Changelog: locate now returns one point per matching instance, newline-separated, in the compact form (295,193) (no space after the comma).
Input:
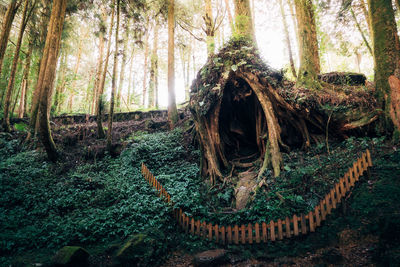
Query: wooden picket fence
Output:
(264,231)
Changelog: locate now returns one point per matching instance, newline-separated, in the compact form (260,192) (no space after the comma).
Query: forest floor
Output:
(99,201)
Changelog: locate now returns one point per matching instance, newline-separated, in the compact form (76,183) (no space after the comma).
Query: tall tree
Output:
(11,79)
(114,84)
(146,55)
(172,110)
(287,38)
(25,83)
(7,23)
(61,81)
(308,44)
(74,77)
(386,53)
(210,29)
(47,74)
(123,62)
(102,29)
(244,26)
(131,84)
(100,102)
(153,86)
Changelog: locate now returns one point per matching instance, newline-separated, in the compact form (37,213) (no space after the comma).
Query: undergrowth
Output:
(107,202)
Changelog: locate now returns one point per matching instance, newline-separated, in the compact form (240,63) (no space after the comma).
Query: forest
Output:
(199,133)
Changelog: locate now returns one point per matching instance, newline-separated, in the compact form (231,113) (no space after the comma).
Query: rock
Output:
(133,250)
(71,256)
(210,258)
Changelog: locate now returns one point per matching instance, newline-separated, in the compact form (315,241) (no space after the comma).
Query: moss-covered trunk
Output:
(244,26)
(48,71)
(308,44)
(386,53)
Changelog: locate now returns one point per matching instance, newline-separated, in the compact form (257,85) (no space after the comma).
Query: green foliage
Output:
(22,127)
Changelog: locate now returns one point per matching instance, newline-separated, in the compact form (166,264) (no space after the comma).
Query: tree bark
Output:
(287,38)
(58,98)
(13,72)
(25,83)
(7,23)
(145,64)
(123,63)
(172,110)
(386,53)
(114,84)
(210,27)
(47,74)
(309,54)
(244,26)
(100,102)
(99,65)
(153,86)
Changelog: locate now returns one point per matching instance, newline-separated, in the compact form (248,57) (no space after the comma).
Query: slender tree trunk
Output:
(43,26)
(13,72)
(114,84)
(130,85)
(100,106)
(7,23)
(210,28)
(308,50)
(243,20)
(172,110)
(366,16)
(361,31)
(146,55)
(294,20)
(123,63)
(228,9)
(47,71)
(153,86)
(25,83)
(386,54)
(287,38)
(73,84)
(61,81)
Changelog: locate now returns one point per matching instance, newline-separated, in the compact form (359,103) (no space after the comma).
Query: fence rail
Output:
(268,231)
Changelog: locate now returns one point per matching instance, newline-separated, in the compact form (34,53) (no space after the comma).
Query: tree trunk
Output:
(146,55)
(58,98)
(366,16)
(243,20)
(386,53)
(47,74)
(229,15)
(131,89)
(45,20)
(153,86)
(123,63)
(287,38)
(7,23)
(210,27)
(114,83)
(73,84)
(294,20)
(308,50)
(100,101)
(99,65)
(25,83)
(13,72)
(361,31)
(172,110)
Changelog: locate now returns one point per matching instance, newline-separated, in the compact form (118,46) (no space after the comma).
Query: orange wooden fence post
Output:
(243,232)
(250,233)
(272,230)
(229,234)
(236,235)
(287,226)
(280,229)
(223,232)
(264,232)
(257,232)
(311,221)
